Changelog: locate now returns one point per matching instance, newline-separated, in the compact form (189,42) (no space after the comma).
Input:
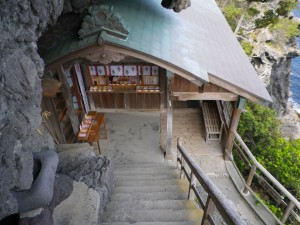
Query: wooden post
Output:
(68,99)
(209,209)
(287,212)
(192,184)
(168,155)
(233,126)
(250,178)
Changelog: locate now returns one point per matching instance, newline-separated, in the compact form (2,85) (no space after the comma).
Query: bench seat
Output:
(212,121)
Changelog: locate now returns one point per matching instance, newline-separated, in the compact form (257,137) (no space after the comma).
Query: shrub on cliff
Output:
(232,14)
(247,47)
(259,128)
(286,27)
(286,6)
(269,18)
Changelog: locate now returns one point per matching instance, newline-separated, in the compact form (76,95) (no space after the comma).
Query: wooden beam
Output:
(223,96)
(217,81)
(68,99)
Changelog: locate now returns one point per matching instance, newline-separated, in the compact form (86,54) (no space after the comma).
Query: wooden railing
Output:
(273,189)
(215,200)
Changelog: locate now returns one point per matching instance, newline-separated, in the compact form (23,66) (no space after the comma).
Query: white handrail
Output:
(266,173)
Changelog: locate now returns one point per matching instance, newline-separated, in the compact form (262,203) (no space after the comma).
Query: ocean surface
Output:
(295,75)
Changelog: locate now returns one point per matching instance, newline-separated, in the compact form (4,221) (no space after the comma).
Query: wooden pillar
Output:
(233,126)
(68,99)
(168,155)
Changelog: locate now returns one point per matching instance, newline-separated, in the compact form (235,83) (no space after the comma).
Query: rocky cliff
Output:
(268,35)
(22,23)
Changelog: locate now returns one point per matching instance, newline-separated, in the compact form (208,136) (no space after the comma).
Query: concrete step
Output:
(154,204)
(148,183)
(152,223)
(145,177)
(67,147)
(157,215)
(149,189)
(143,166)
(174,195)
(144,170)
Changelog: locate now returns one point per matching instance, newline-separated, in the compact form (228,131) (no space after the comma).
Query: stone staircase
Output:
(150,194)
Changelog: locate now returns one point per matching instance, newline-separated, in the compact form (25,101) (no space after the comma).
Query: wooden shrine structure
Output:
(136,55)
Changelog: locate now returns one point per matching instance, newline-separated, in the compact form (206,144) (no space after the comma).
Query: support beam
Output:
(223,96)
(170,77)
(68,99)
(233,126)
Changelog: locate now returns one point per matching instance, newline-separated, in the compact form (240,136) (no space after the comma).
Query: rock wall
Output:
(274,67)
(81,164)
(22,22)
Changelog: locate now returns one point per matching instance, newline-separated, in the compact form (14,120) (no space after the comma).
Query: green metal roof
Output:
(197,40)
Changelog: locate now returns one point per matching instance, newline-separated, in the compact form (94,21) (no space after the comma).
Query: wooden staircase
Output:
(150,194)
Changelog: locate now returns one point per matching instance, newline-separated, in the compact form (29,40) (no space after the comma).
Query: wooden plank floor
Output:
(189,124)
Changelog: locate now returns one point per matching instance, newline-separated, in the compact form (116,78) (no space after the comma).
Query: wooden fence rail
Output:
(215,199)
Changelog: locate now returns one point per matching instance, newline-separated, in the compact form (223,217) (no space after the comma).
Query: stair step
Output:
(153,223)
(144,171)
(149,189)
(67,147)
(145,177)
(148,183)
(159,215)
(143,166)
(154,204)
(174,195)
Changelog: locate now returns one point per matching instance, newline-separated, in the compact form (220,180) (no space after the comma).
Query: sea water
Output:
(295,74)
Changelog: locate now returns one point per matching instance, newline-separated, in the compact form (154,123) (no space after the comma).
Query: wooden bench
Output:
(212,121)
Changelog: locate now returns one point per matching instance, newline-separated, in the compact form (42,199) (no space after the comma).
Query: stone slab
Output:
(81,207)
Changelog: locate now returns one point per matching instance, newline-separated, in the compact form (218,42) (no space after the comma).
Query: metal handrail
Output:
(215,196)
(293,200)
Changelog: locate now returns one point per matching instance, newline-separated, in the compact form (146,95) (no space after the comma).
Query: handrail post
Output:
(287,212)
(191,195)
(181,168)
(250,178)
(209,208)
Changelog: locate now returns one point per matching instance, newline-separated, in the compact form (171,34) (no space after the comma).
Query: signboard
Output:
(82,88)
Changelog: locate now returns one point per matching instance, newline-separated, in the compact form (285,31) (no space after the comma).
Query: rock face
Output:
(63,187)
(22,22)
(82,165)
(274,66)
(176,5)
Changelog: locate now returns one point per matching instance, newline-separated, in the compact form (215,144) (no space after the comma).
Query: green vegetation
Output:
(232,14)
(259,129)
(248,47)
(287,27)
(276,210)
(252,12)
(268,18)
(286,6)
